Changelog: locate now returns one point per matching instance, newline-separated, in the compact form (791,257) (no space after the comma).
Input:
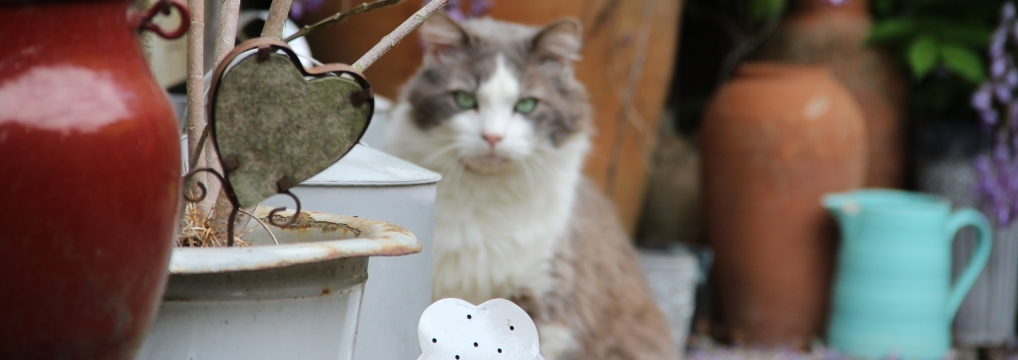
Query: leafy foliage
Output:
(941,43)
(760,10)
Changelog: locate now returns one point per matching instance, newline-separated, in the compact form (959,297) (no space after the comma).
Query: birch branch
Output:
(195,84)
(279,11)
(389,41)
(225,41)
(146,38)
(337,17)
(229,12)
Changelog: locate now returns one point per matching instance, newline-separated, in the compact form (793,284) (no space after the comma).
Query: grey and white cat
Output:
(496,110)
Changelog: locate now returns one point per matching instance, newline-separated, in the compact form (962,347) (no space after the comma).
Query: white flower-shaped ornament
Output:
(453,329)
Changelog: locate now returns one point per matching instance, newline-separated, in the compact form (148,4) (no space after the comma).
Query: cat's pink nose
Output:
(492,139)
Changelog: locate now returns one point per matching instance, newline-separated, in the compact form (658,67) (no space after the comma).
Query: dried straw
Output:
(196,230)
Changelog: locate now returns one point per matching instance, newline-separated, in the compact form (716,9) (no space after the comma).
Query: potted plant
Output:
(943,45)
(294,290)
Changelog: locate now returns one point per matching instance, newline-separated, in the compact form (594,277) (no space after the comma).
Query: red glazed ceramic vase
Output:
(89,182)
(773,141)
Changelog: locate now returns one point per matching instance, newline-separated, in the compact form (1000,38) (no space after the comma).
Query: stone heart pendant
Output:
(497,329)
(276,124)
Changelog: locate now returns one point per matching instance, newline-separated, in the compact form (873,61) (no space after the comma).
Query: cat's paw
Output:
(557,342)
(453,329)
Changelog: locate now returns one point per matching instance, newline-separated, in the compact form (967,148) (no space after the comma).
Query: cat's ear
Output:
(440,32)
(561,39)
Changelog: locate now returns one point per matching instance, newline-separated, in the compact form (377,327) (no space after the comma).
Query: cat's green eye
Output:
(465,100)
(525,106)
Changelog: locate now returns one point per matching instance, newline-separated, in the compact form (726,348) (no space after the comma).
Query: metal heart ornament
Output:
(276,124)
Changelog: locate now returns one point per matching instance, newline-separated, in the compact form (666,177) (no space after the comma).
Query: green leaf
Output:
(923,55)
(972,35)
(963,61)
(884,7)
(760,10)
(890,30)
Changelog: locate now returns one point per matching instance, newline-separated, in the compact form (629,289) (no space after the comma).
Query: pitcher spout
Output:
(844,207)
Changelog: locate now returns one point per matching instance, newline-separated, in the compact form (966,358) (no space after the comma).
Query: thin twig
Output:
(601,18)
(389,41)
(278,12)
(726,23)
(746,47)
(266,227)
(337,17)
(635,71)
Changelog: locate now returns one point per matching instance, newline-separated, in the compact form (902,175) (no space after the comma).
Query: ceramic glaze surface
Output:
(90,182)
(773,141)
(892,294)
(497,329)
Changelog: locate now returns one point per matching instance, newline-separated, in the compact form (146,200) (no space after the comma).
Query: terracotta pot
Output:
(90,185)
(774,140)
(817,33)
(611,28)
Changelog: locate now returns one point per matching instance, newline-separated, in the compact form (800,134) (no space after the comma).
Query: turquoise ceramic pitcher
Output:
(892,292)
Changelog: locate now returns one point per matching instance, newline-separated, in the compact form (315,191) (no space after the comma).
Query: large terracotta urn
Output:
(773,141)
(817,32)
(90,184)
(629,46)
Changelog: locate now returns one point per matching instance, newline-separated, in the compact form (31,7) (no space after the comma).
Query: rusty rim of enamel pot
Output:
(358,237)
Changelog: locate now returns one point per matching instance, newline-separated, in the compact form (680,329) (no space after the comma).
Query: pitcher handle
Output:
(960,219)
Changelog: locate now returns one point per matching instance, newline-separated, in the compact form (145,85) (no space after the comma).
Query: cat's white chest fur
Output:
(495,235)
(489,247)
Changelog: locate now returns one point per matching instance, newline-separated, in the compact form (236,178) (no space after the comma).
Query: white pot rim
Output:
(376,238)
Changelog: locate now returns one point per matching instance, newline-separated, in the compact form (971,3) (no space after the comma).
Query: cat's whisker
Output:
(526,172)
(457,171)
(448,167)
(541,164)
(439,152)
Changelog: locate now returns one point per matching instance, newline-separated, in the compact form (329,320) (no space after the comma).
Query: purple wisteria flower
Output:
(455,9)
(299,7)
(997,106)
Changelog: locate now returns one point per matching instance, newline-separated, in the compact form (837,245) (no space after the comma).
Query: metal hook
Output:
(233,212)
(201,186)
(291,220)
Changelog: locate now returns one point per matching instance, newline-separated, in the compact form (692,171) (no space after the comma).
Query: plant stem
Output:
(337,17)
(389,41)
(278,12)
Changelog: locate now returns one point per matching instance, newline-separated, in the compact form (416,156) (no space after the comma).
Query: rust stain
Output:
(326,291)
(305,222)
